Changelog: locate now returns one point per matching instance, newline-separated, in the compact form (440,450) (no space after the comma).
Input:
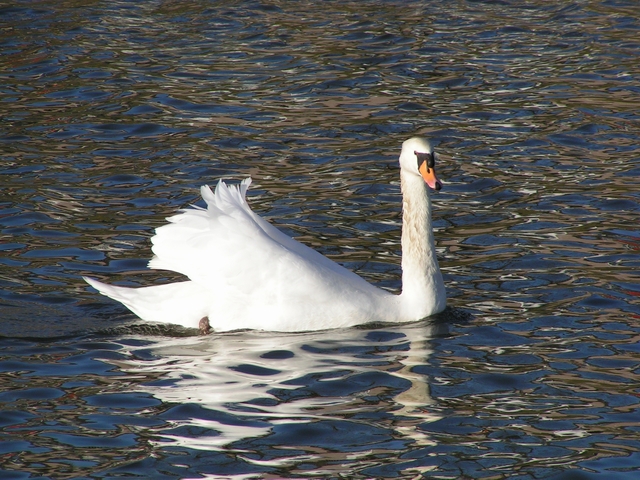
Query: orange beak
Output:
(430,177)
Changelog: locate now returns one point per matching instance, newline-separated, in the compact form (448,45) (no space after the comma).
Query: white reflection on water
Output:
(267,379)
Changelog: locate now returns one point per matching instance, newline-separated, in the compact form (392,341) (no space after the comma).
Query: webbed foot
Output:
(204,327)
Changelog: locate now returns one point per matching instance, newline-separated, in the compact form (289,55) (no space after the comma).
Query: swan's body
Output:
(246,274)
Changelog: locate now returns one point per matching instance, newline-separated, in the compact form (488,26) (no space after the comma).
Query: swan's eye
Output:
(428,157)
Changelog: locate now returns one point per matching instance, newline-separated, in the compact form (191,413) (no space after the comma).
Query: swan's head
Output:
(417,157)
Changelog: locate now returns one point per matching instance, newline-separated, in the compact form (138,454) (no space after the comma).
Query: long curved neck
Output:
(422,286)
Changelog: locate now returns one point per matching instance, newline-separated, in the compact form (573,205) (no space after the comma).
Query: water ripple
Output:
(114,114)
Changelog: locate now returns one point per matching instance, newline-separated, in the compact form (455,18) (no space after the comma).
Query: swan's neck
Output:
(422,286)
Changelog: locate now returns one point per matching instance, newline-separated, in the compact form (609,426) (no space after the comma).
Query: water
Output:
(114,114)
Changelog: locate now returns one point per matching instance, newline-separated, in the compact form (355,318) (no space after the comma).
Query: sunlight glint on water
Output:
(114,115)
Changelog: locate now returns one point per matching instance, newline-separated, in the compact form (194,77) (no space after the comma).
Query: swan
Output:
(243,273)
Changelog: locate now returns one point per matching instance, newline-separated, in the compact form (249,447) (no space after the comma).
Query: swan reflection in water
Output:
(252,382)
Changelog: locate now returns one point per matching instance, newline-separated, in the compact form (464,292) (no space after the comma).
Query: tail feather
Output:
(179,303)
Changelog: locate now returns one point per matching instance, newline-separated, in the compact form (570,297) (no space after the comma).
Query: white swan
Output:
(246,274)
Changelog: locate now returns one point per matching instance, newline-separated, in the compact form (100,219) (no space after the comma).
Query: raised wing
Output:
(227,247)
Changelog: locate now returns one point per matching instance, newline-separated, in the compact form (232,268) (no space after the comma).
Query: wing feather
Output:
(213,246)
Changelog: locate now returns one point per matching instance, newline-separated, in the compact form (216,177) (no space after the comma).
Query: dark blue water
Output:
(112,115)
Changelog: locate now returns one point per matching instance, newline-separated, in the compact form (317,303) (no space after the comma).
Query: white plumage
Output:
(246,274)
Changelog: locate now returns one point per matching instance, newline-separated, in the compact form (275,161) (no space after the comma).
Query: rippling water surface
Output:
(113,113)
